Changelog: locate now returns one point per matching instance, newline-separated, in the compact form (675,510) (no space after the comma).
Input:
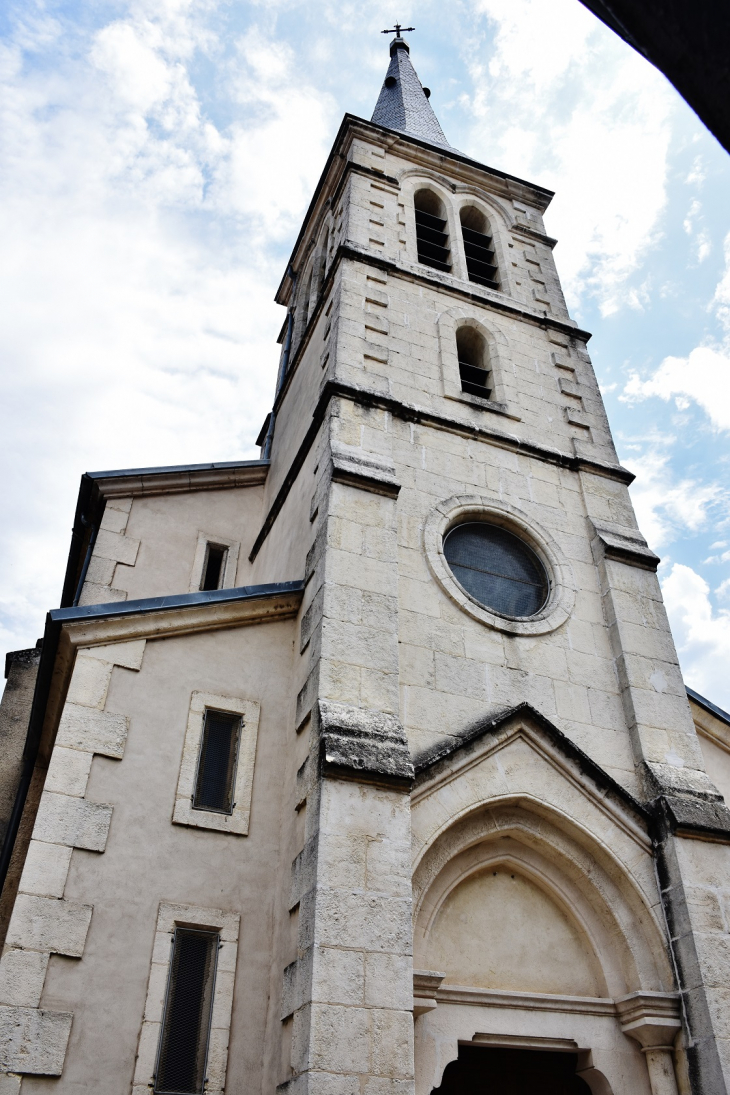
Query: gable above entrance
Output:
(515,795)
(476,757)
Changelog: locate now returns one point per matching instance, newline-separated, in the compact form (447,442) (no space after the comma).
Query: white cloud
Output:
(703,378)
(697,172)
(666,508)
(141,252)
(557,69)
(721,299)
(701,634)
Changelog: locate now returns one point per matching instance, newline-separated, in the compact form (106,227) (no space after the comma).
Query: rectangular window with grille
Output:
(217,760)
(183,1049)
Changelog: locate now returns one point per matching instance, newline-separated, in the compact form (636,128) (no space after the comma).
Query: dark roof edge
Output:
(431,758)
(172,468)
(144,605)
(708,705)
(346,122)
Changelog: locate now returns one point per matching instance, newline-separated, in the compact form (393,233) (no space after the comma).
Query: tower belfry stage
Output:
(367,767)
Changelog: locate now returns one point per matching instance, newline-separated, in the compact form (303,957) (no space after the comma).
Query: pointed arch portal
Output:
(539,958)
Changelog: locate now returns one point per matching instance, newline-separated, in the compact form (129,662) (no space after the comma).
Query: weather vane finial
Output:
(397,29)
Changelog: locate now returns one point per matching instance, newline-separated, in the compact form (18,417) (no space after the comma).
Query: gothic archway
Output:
(535,915)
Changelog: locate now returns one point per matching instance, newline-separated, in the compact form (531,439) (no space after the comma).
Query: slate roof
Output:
(404,106)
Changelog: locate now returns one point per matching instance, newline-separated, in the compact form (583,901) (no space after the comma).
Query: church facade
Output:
(368,767)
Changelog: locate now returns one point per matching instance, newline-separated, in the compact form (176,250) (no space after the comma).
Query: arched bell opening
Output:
(432,233)
(481,263)
(473,357)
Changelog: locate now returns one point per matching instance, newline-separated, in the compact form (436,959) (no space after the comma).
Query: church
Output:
(367,767)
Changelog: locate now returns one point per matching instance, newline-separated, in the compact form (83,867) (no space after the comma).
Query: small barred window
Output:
(497,569)
(183,1050)
(217,762)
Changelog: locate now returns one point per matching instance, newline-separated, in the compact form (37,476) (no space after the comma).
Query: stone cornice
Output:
(182,614)
(460,291)
(180,479)
(362,744)
(410,412)
(625,545)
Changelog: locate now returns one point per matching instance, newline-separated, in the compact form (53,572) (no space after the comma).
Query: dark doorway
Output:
(483,1070)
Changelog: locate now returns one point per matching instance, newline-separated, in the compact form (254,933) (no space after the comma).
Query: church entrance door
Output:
(484,1070)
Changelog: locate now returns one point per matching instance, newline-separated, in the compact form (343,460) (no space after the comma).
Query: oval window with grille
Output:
(497,569)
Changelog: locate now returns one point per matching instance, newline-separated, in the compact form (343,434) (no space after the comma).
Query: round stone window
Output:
(497,569)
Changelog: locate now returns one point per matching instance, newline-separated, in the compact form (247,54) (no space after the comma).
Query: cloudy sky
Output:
(156,159)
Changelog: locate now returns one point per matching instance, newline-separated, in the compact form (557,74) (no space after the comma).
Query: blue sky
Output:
(155,162)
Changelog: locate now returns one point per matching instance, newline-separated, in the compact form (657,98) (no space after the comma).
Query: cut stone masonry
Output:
(33,1041)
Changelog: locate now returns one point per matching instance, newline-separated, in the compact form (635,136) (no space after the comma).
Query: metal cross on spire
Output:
(397,29)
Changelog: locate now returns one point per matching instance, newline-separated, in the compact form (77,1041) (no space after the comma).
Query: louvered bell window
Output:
(432,241)
(472,354)
(480,258)
(478,248)
(216,775)
(497,569)
(431,235)
(183,1051)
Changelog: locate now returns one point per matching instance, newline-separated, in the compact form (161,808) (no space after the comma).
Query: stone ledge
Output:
(626,545)
(358,468)
(360,743)
(695,818)
(179,479)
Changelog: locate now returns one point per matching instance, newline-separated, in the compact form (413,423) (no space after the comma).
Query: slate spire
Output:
(403,103)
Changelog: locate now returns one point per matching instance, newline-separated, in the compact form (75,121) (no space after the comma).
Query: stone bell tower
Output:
(367,767)
(435,392)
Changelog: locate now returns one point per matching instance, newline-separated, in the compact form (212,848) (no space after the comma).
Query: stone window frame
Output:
(237,822)
(497,350)
(460,508)
(233,548)
(227,924)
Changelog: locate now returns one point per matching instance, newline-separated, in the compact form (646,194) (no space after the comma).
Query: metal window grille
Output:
(497,569)
(217,760)
(214,567)
(432,241)
(479,254)
(183,1050)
